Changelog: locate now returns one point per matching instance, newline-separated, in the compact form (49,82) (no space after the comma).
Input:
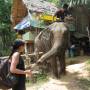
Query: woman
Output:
(17,65)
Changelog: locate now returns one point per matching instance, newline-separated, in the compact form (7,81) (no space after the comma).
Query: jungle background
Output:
(78,68)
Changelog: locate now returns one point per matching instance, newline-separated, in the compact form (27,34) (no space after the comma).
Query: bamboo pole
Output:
(32,54)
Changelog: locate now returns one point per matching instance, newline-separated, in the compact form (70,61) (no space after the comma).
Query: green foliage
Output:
(6,35)
(37,79)
(59,3)
(80,2)
(88,65)
(88,62)
(41,77)
(54,1)
(74,2)
(5,11)
(84,83)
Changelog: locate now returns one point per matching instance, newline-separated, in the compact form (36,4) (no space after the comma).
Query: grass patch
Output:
(88,62)
(84,83)
(88,65)
(37,79)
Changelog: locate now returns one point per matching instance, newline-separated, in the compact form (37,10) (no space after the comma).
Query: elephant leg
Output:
(54,67)
(62,63)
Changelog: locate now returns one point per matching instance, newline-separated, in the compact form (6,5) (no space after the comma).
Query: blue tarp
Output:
(23,24)
(27,22)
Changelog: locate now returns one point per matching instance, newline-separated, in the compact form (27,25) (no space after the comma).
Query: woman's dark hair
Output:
(65,6)
(17,43)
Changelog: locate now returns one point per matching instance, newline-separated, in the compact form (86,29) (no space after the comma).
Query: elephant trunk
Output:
(51,52)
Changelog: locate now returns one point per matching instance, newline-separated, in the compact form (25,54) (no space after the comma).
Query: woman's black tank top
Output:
(21,66)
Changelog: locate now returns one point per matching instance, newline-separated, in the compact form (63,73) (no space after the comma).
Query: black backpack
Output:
(7,80)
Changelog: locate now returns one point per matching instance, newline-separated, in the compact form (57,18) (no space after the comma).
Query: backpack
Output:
(7,80)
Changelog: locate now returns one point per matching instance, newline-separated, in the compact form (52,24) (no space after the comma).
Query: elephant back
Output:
(43,42)
(46,39)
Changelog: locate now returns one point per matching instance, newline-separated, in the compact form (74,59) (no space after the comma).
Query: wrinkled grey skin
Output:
(54,44)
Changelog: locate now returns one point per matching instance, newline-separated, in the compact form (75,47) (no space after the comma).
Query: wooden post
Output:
(18,12)
(26,54)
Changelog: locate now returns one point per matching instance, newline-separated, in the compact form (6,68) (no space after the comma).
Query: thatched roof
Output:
(40,6)
(79,2)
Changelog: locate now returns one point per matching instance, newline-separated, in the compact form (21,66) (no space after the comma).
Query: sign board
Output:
(48,18)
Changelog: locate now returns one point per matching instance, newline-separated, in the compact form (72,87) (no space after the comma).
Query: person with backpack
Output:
(17,66)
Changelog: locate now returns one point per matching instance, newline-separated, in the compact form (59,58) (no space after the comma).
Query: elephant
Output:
(53,42)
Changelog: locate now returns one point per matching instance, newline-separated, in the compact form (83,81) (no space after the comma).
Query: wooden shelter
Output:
(81,12)
(18,11)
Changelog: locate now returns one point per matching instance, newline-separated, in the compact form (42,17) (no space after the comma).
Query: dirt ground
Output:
(68,82)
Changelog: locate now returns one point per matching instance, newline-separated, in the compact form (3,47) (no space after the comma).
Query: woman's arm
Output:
(14,62)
